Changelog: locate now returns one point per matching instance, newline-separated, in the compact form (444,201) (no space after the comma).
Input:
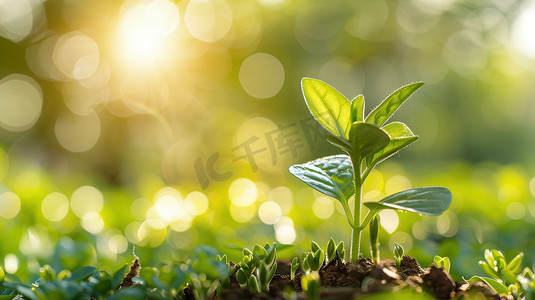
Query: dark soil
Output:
(342,280)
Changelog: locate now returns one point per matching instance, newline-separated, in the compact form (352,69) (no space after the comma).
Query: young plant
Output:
(367,141)
(294,267)
(313,260)
(442,262)
(257,267)
(374,239)
(398,254)
(504,277)
(333,248)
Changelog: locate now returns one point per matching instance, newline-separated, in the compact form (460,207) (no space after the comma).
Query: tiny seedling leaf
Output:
(328,106)
(515,264)
(431,201)
(388,107)
(260,251)
(241,277)
(331,175)
(494,284)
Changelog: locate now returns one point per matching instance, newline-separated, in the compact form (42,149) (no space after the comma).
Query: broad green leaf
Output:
(494,284)
(431,201)
(357,109)
(331,175)
(400,137)
(367,139)
(328,106)
(119,275)
(388,107)
(83,273)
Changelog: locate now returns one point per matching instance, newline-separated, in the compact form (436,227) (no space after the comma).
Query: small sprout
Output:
(442,262)
(496,266)
(47,273)
(2,275)
(374,239)
(294,267)
(257,267)
(313,260)
(398,254)
(332,248)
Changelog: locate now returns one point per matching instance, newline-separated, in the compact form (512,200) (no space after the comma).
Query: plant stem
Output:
(356,231)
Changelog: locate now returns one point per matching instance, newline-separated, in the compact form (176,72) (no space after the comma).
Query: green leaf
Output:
(241,277)
(2,275)
(271,256)
(400,137)
(357,109)
(253,284)
(331,175)
(272,272)
(328,106)
(367,139)
(331,248)
(262,274)
(390,105)
(488,269)
(339,142)
(494,284)
(83,273)
(314,246)
(515,264)
(431,201)
(442,262)
(260,251)
(118,276)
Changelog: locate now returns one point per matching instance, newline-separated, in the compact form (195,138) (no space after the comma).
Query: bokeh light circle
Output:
(10,204)
(21,100)
(55,207)
(261,75)
(16,19)
(86,199)
(269,212)
(208,21)
(242,192)
(78,133)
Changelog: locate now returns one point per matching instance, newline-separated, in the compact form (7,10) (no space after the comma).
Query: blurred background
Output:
(169,124)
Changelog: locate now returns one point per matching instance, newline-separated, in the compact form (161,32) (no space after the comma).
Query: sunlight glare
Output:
(144,29)
(522,32)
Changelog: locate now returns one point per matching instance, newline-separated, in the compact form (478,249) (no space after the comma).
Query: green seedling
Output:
(257,267)
(505,277)
(294,267)
(333,248)
(374,239)
(313,260)
(367,141)
(398,254)
(442,262)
